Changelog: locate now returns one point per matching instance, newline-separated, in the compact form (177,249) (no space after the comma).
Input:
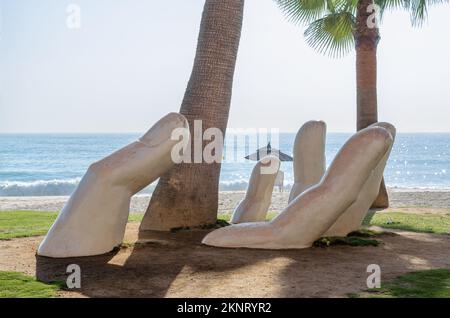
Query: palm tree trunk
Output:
(187,196)
(366,40)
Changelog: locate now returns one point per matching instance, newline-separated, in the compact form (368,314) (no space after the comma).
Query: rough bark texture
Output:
(366,40)
(187,196)
(366,67)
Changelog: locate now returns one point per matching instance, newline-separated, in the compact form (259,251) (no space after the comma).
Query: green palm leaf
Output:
(419,9)
(419,12)
(385,5)
(331,22)
(333,34)
(302,11)
(392,4)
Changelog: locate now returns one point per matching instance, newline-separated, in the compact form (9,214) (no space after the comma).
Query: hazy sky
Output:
(129,64)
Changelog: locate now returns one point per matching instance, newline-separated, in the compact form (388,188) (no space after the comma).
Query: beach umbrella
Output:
(261,152)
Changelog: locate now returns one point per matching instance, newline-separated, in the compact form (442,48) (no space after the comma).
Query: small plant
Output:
(362,237)
(219,223)
(349,240)
(365,233)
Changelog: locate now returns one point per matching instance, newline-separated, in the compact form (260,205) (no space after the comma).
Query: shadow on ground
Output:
(177,265)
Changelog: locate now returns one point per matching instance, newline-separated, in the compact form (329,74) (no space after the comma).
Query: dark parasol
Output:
(262,152)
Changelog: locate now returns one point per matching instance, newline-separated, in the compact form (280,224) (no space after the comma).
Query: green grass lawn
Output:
(18,285)
(24,223)
(135,217)
(433,283)
(15,224)
(427,223)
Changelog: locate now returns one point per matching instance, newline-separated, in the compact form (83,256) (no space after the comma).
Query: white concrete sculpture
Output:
(309,157)
(254,206)
(351,220)
(314,211)
(93,220)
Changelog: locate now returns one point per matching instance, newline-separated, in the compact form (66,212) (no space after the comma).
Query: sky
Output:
(129,62)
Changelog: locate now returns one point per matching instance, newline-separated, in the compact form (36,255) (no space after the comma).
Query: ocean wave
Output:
(38,188)
(240,185)
(54,187)
(233,185)
(67,186)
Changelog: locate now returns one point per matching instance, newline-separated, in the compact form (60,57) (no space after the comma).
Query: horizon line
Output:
(141,132)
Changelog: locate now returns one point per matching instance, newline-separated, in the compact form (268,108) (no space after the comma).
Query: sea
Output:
(52,164)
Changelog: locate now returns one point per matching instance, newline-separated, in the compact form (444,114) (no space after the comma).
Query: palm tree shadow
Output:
(147,268)
(128,271)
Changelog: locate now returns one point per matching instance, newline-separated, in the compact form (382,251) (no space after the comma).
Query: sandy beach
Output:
(429,200)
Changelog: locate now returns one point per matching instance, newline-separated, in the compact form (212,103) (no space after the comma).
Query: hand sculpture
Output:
(93,220)
(314,211)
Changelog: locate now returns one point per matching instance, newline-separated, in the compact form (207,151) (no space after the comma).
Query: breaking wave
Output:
(38,188)
(66,187)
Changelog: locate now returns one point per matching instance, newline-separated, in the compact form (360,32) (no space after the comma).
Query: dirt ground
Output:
(177,265)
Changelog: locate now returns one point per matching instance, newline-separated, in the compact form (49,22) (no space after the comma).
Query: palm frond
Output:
(392,4)
(333,34)
(419,10)
(302,11)
(386,5)
(346,5)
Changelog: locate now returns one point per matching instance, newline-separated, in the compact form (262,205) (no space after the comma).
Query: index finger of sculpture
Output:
(258,197)
(93,220)
(309,157)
